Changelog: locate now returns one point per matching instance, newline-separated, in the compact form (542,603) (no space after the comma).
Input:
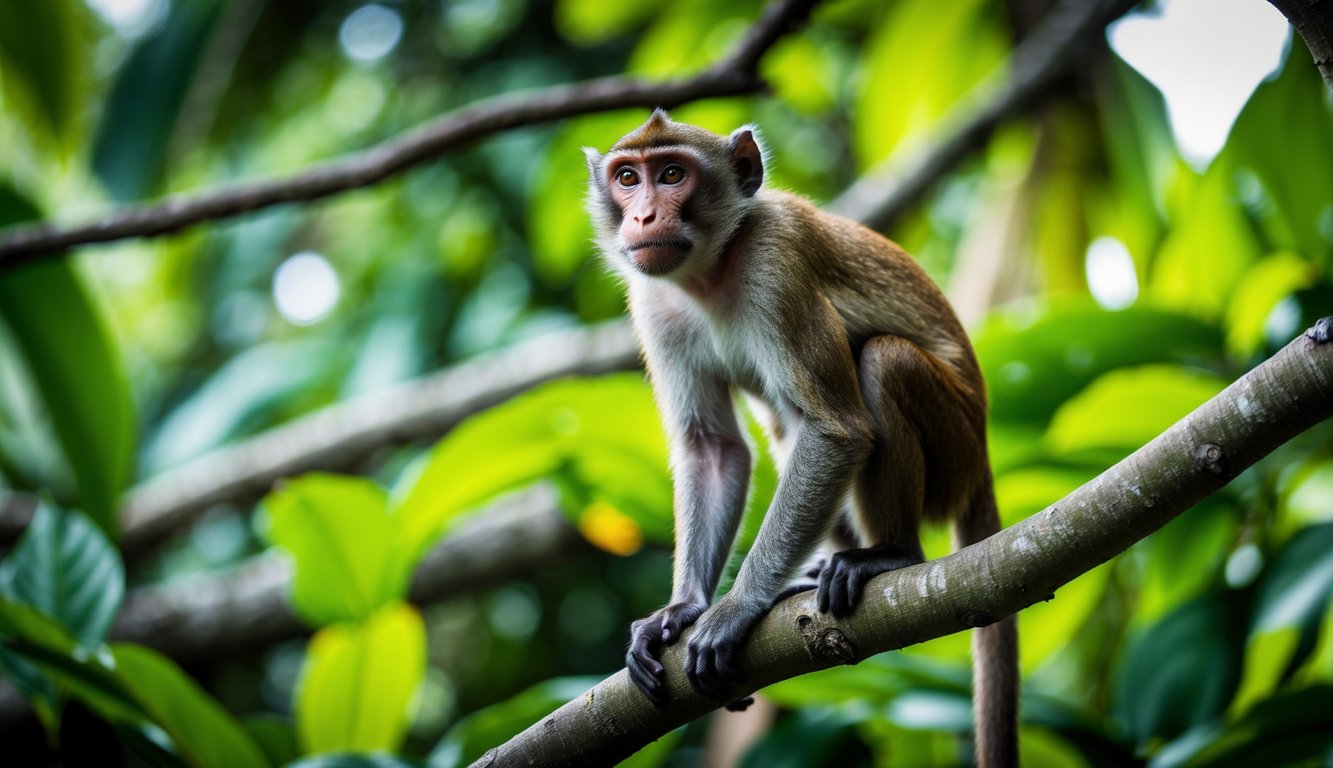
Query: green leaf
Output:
(1292,198)
(570,426)
(1207,250)
(1292,728)
(354,761)
(913,74)
(1126,408)
(144,104)
(470,737)
(1182,671)
(243,393)
(40,52)
(77,368)
(1295,590)
(1264,285)
(359,681)
(1033,365)
(1141,152)
(587,22)
(64,566)
(204,733)
(88,676)
(349,561)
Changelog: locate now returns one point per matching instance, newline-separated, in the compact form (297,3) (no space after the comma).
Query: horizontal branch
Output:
(345,435)
(216,616)
(1056,46)
(1019,566)
(735,75)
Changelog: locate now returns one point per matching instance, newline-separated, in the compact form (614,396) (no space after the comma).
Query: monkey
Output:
(851,358)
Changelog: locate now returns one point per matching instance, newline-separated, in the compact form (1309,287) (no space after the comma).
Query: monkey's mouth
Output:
(659,255)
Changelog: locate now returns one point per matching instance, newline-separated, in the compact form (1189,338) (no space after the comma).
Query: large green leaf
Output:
(1207,250)
(575,426)
(1294,185)
(1141,153)
(473,735)
(348,557)
(41,641)
(77,368)
(913,73)
(40,53)
(359,681)
(64,566)
(1182,671)
(1033,365)
(145,102)
(203,732)
(1291,729)
(354,761)
(1125,408)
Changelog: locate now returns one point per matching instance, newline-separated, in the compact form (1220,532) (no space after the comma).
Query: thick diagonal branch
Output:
(735,75)
(1023,564)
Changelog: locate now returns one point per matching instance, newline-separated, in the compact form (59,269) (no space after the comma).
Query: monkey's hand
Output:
(710,658)
(646,640)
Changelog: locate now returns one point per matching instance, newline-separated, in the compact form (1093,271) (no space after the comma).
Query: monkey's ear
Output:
(594,161)
(747,161)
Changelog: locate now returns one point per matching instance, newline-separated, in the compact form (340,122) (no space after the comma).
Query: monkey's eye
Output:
(672,174)
(627,177)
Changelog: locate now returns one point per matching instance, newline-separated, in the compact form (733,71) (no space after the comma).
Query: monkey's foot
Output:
(847,572)
(648,636)
(711,662)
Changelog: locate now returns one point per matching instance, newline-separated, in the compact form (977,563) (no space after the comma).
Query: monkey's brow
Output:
(640,154)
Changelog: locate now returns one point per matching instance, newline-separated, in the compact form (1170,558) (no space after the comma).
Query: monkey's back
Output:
(877,288)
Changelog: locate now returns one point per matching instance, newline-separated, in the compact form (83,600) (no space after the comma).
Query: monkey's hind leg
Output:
(924,457)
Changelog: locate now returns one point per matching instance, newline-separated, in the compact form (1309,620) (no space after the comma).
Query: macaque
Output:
(853,361)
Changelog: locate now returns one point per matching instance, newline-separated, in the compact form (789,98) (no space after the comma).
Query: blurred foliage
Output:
(1209,643)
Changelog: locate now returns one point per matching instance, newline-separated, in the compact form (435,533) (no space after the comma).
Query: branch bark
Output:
(1313,21)
(1056,46)
(734,75)
(216,616)
(1015,568)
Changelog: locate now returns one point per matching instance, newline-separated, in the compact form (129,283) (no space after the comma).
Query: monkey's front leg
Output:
(822,464)
(712,472)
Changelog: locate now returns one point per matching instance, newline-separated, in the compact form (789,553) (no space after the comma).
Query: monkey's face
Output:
(651,190)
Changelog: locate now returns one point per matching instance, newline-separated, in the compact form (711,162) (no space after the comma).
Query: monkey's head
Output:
(668,197)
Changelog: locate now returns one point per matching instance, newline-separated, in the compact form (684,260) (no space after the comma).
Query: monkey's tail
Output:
(994,651)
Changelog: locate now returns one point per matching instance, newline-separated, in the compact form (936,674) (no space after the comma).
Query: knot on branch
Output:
(1210,458)
(826,645)
(1321,331)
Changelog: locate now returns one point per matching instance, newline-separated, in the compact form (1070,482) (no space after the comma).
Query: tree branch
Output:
(735,75)
(1015,568)
(1313,21)
(345,435)
(1055,47)
(215,616)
